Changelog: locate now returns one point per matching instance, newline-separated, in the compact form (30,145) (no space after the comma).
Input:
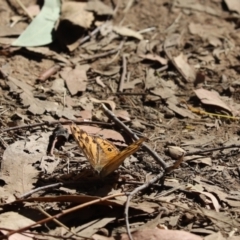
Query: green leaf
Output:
(39,32)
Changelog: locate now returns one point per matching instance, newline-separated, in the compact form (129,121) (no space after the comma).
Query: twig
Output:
(94,32)
(212,149)
(147,30)
(136,183)
(28,194)
(116,7)
(53,123)
(134,136)
(5,145)
(24,9)
(130,195)
(124,72)
(174,24)
(4,111)
(129,5)
(55,220)
(64,212)
(173,189)
(128,76)
(161,69)
(53,146)
(49,72)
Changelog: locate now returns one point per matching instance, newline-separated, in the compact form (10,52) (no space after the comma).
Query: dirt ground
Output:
(166,70)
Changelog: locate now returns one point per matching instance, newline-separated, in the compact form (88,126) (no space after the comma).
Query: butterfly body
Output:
(103,156)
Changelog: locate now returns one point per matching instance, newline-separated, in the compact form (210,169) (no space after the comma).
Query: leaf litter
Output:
(161,97)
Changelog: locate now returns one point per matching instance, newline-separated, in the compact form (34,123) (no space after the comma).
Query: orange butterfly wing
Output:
(102,155)
(98,151)
(117,160)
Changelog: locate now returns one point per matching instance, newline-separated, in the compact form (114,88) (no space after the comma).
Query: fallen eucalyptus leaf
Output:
(39,32)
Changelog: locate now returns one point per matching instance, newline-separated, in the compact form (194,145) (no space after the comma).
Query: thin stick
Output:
(64,212)
(147,30)
(212,149)
(94,32)
(53,123)
(24,9)
(28,194)
(55,220)
(136,190)
(49,72)
(124,72)
(137,183)
(129,5)
(134,136)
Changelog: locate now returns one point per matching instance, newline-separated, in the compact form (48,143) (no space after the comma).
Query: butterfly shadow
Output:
(85,182)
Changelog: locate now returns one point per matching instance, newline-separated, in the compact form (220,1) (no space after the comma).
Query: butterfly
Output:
(103,156)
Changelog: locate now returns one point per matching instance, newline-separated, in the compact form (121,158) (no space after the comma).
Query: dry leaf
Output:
(151,79)
(215,236)
(107,70)
(35,106)
(199,189)
(84,114)
(194,5)
(88,229)
(233,5)
(175,152)
(33,10)
(172,40)
(215,216)
(75,12)
(155,57)
(122,114)
(131,84)
(211,98)
(76,79)
(85,103)
(199,159)
(104,133)
(20,175)
(74,19)
(100,82)
(109,102)
(99,7)
(14,221)
(7,31)
(58,86)
(158,234)
(48,164)
(100,237)
(209,33)
(186,69)
(127,32)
